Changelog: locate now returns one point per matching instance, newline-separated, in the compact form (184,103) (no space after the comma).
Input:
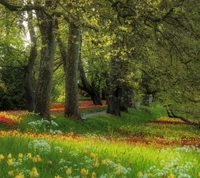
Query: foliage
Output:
(12,52)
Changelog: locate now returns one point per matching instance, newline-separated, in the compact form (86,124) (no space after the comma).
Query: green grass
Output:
(129,146)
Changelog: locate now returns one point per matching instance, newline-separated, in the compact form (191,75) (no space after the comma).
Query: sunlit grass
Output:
(103,157)
(102,146)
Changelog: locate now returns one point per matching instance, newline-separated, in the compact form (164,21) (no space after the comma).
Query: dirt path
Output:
(84,116)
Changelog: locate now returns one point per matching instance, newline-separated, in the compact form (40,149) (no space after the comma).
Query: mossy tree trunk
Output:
(28,82)
(71,72)
(44,85)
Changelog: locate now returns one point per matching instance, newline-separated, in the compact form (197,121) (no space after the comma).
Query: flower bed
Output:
(9,120)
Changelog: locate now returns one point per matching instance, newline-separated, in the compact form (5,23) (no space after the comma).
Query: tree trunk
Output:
(71,85)
(118,99)
(114,102)
(47,30)
(114,99)
(28,83)
(92,91)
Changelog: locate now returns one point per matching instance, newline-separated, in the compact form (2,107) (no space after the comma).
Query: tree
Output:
(28,73)
(12,52)
(47,29)
(85,85)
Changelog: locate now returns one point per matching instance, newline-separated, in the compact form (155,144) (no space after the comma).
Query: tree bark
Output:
(47,30)
(71,73)
(114,102)
(92,91)
(28,83)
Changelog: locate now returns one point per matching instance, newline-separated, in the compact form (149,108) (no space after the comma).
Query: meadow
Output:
(139,144)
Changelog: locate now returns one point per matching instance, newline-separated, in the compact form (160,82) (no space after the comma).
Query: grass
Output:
(136,145)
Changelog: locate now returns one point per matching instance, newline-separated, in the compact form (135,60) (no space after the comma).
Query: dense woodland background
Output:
(127,52)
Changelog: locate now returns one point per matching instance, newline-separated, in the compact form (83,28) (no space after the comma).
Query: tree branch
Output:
(12,7)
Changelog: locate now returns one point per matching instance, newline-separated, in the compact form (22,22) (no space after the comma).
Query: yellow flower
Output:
(139,174)
(69,171)
(171,176)
(10,162)
(34,159)
(93,175)
(199,175)
(29,156)
(57,177)
(20,160)
(21,175)
(11,174)
(34,173)
(85,152)
(96,164)
(20,155)
(93,155)
(162,164)
(150,175)
(104,161)
(9,156)
(118,172)
(1,157)
(38,158)
(84,172)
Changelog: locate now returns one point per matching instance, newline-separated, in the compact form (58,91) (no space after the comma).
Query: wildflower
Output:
(69,171)
(34,173)
(199,175)
(85,152)
(49,163)
(29,156)
(20,155)
(96,164)
(38,158)
(1,157)
(10,162)
(93,175)
(9,156)
(11,174)
(118,172)
(20,160)
(57,177)
(171,176)
(162,164)
(103,162)
(93,155)
(34,159)
(21,175)
(139,174)
(150,175)
(84,172)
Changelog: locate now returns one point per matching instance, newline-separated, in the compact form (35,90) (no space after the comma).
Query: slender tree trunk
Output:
(28,83)
(47,30)
(118,99)
(92,91)
(71,73)
(115,91)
